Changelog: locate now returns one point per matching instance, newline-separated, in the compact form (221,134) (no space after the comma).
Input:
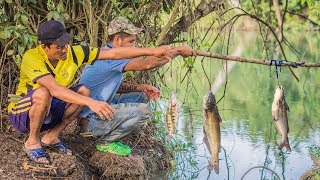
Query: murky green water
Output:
(248,135)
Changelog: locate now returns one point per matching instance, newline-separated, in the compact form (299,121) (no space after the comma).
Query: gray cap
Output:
(122,24)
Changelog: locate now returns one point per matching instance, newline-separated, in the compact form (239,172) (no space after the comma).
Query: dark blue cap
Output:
(53,32)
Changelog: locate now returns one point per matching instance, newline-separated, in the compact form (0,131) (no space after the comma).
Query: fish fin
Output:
(205,140)
(279,104)
(286,105)
(169,137)
(210,167)
(214,166)
(219,117)
(205,114)
(276,127)
(216,112)
(274,114)
(286,144)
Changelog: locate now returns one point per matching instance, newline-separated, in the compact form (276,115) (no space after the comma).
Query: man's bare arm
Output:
(132,52)
(101,108)
(128,87)
(151,62)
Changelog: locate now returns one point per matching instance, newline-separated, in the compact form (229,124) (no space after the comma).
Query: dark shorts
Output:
(19,115)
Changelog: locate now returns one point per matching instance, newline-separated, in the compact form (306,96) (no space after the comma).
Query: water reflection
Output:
(248,135)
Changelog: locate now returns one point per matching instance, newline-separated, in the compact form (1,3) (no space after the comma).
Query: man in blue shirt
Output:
(104,79)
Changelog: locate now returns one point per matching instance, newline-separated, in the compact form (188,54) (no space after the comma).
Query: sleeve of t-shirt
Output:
(33,67)
(116,65)
(84,54)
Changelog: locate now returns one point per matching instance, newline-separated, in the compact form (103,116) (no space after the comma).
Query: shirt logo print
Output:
(64,74)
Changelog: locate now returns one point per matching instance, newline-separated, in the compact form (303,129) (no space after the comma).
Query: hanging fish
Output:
(211,128)
(172,115)
(280,117)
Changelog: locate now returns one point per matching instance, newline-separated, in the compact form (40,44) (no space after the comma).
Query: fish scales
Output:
(279,114)
(211,127)
(172,116)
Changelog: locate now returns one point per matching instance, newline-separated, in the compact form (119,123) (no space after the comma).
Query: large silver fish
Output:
(279,114)
(172,115)
(211,127)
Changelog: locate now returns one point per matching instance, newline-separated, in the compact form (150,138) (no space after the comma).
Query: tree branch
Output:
(174,15)
(185,21)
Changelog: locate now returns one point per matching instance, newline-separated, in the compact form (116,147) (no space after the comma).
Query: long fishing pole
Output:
(258,61)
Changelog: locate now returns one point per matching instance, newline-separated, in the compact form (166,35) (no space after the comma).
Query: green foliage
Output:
(314,151)
(314,6)
(177,146)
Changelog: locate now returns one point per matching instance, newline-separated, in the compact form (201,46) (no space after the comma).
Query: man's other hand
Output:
(162,51)
(152,92)
(186,51)
(103,109)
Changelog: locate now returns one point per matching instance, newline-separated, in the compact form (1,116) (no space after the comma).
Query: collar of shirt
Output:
(110,46)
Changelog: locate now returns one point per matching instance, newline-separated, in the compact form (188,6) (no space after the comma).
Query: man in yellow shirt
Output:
(46,72)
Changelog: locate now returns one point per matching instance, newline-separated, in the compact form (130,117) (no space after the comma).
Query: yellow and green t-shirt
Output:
(35,64)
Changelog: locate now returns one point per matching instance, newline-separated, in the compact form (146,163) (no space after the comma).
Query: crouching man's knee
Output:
(143,113)
(42,96)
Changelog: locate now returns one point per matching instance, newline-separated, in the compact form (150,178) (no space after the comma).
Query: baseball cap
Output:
(53,32)
(122,24)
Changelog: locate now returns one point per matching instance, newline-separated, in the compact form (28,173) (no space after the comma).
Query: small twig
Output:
(260,167)
(26,166)
(304,17)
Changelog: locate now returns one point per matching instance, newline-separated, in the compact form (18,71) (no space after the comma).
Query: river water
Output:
(248,135)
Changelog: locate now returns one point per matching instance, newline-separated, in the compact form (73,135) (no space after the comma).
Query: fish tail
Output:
(210,167)
(169,137)
(288,147)
(215,166)
(284,143)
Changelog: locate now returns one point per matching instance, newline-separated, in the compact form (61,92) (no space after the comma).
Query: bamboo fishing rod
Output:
(257,61)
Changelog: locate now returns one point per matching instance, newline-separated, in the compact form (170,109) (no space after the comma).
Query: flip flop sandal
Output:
(115,148)
(122,145)
(36,154)
(61,147)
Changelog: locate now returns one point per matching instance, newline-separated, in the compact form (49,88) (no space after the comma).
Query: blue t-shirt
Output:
(103,78)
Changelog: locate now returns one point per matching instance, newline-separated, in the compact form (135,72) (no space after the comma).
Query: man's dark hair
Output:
(121,34)
(47,44)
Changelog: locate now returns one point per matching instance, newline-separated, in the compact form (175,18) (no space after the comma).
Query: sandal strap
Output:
(36,154)
(61,146)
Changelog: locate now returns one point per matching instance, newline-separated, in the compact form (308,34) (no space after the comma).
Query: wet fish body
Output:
(172,115)
(211,127)
(280,117)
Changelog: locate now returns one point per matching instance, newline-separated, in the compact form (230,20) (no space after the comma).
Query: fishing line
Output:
(268,146)
(234,141)
(308,75)
(298,135)
(227,164)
